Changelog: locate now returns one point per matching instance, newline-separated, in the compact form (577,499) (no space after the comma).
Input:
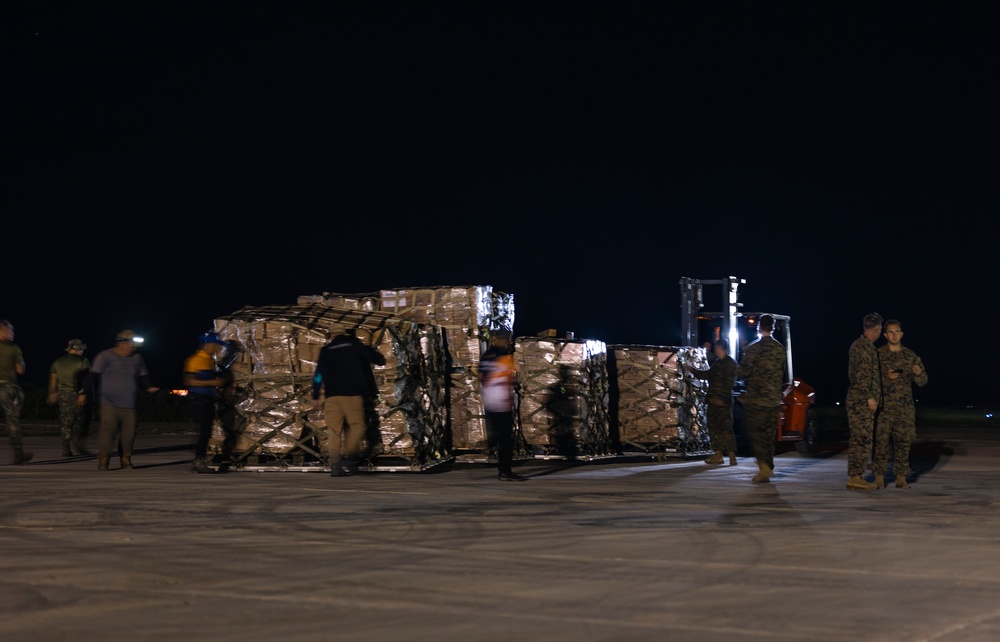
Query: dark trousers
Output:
(500,433)
(202,408)
(117,425)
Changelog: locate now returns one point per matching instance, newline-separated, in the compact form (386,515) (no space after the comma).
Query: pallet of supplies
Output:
(467,315)
(563,397)
(655,405)
(272,380)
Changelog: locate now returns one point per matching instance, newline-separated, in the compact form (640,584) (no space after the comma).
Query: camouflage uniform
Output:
(897,418)
(865,383)
(719,402)
(763,367)
(11,393)
(70,371)
(11,401)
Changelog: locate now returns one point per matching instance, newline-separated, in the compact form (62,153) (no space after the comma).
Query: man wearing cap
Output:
(66,377)
(343,378)
(203,381)
(120,371)
(11,394)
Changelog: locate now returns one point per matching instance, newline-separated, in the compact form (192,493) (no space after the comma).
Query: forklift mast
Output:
(693,304)
(797,419)
(693,301)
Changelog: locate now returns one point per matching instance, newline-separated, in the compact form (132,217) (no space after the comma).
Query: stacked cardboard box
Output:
(563,397)
(273,382)
(468,314)
(655,405)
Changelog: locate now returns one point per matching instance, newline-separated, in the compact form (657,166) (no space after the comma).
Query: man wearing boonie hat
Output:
(66,378)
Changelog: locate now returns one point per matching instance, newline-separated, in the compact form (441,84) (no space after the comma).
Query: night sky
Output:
(169,163)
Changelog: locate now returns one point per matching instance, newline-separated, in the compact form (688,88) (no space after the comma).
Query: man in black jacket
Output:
(343,378)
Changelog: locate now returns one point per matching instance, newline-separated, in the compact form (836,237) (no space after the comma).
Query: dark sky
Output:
(168,164)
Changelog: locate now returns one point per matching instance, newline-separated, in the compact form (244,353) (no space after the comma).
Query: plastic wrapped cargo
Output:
(272,380)
(563,397)
(467,314)
(655,405)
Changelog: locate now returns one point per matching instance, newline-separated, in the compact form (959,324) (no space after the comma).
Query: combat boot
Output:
(21,456)
(732,459)
(127,462)
(858,482)
(716,458)
(67,450)
(103,461)
(764,475)
(901,482)
(879,481)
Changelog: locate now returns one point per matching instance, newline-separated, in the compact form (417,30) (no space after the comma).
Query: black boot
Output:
(21,457)
(67,450)
(102,461)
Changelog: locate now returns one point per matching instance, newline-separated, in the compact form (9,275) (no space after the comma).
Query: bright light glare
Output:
(734,340)
(593,348)
(137,339)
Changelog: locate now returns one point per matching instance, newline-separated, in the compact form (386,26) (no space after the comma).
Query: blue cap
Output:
(211,337)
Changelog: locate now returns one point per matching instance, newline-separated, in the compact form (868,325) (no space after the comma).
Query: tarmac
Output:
(614,550)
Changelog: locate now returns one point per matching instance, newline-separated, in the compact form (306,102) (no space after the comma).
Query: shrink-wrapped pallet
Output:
(563,397)
(655,404)
(272,380)
(467,314)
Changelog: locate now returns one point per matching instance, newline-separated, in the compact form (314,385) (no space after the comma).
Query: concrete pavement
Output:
(672,550)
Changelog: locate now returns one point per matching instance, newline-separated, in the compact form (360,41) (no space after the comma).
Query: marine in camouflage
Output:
(865,383)
(721,376)
(763,368)
(897,417)
(11,402)
(70,418)
(69,373)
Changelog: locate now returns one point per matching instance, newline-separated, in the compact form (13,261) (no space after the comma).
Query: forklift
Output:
(797,423)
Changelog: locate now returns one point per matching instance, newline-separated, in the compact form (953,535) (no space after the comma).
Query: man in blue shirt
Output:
(120,371)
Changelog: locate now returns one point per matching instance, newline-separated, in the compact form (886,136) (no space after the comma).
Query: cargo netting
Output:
(563,397)
(655,405)
(272,384)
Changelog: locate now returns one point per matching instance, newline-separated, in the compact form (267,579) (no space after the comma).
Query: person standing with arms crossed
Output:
(721,375)
(901,369)
(66,377)
(11,393)
(864,395)
(763,367)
